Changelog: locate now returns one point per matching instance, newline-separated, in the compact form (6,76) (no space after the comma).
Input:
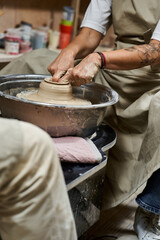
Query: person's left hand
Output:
(84,72)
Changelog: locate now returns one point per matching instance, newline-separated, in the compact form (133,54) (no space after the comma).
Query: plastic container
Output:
(45,31)
(67,23)
(68,13)
(12,45)
(65,29)
(53,39)
(12,41)
(38,39)
(65,35)
(26,30)
(25,46)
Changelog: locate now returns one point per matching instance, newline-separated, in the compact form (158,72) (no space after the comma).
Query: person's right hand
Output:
(61,64)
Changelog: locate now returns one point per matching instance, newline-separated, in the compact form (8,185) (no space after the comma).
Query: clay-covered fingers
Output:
(56,72)
(67,76)
(60,65)
(81,74)
(72,78)
(58,75)
(52,68)
(62,69)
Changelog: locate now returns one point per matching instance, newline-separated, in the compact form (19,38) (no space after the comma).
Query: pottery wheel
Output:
(54,93)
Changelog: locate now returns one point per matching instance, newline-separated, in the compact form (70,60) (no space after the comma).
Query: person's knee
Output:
(37,166)
(37,142)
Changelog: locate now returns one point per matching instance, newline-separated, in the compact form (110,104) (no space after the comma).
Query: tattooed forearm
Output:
(148,53)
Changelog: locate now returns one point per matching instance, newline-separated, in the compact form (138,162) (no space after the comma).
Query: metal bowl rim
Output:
(101,105)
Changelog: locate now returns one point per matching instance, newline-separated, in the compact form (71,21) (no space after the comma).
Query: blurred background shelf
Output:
(44,14)
(39,12)
(5,58)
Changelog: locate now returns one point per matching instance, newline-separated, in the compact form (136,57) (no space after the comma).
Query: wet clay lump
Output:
(54,93)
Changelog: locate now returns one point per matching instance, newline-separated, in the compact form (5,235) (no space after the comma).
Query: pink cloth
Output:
(77,149)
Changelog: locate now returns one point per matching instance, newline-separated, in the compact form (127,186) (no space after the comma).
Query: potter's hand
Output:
(61,64)
(84,72)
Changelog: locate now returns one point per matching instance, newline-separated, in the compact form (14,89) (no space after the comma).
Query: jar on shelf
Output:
(12,41)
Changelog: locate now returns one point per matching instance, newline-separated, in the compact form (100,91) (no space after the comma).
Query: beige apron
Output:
(34,204)
(134,22)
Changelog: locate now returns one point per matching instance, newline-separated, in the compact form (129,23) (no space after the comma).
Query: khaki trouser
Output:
(33,198)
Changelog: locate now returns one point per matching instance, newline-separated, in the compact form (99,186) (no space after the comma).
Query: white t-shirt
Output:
(98,17)
(156,33)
